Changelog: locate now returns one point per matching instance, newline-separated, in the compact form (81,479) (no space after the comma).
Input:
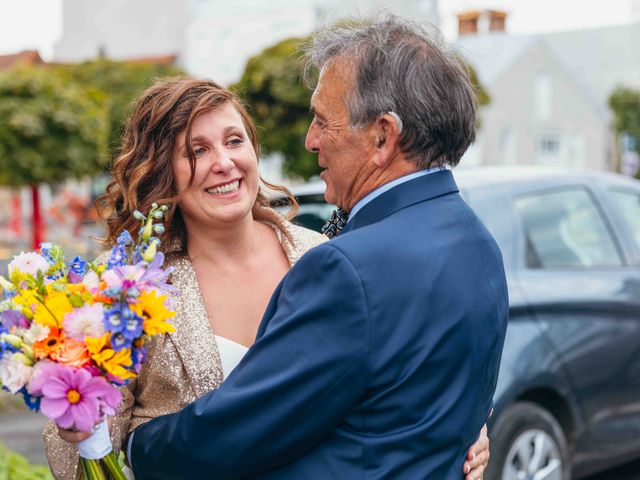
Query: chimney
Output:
(473,22)
(468,22)
(497,20)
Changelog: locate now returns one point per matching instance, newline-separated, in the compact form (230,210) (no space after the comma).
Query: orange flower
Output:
(72,352)
(49,345)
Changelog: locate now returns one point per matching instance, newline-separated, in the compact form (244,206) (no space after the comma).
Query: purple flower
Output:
(73,398)
(13,318)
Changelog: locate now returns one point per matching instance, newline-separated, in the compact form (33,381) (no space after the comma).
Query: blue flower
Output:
(132,324)
(113,320)
(33,403)
(45,248)
(119,341)
(118,257)
(124,238)
(139,356)
(78,266)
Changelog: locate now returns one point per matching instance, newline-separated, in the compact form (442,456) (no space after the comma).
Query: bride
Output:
(191,143)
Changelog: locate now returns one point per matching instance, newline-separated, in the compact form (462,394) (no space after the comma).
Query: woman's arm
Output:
(477,457)
(63,456)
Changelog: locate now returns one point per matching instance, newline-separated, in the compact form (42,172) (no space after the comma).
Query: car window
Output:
(629,204)
(564,229)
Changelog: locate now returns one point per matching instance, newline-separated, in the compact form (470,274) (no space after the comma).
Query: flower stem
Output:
(113,469)
(92,470)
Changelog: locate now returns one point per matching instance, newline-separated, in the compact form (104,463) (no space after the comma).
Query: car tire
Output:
(526,440)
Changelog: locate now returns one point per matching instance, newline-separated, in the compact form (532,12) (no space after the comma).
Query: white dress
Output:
(230,354)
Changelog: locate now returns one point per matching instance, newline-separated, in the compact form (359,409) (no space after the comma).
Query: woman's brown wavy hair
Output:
(142,174)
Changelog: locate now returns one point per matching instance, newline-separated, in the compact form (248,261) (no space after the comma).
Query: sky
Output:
(37,24)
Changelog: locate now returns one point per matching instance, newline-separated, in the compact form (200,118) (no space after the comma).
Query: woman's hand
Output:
(477,457)
(75,436)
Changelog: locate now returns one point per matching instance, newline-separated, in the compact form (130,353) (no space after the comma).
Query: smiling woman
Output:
(191,143)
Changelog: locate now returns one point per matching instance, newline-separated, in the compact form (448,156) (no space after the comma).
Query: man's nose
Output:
(312,142)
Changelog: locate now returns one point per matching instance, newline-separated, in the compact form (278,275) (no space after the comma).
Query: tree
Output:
(121,82)
(273,88)
(625,104)
(50,130)
(279,102)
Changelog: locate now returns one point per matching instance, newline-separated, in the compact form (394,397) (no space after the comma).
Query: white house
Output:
(549,94)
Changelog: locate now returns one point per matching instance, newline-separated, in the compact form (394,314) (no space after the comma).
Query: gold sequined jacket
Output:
(181,366)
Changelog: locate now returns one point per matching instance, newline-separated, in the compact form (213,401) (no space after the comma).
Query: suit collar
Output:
(404,195)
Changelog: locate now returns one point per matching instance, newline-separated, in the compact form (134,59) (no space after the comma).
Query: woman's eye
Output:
(199,151)
(236,141)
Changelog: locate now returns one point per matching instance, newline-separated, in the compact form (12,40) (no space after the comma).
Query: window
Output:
(543,89)
(564,229)
(629,204)
(548,149)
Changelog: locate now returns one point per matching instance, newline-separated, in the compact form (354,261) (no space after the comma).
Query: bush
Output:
(16,467)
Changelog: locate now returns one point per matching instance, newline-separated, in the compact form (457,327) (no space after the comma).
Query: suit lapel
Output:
(404,195)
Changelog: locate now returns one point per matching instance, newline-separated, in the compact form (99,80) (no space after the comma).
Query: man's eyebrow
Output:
(315,112)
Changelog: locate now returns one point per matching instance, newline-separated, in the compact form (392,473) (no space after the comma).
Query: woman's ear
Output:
(388,128)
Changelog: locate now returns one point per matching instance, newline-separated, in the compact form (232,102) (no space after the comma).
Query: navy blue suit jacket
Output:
(377,356)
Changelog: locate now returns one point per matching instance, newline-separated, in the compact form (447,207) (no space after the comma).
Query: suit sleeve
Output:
(307,370)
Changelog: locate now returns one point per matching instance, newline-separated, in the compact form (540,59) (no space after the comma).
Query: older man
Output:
(378,354)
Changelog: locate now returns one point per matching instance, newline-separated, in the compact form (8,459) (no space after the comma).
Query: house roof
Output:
(597,59)
(29,57)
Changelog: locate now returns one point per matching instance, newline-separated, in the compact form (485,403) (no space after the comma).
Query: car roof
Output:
(507,177)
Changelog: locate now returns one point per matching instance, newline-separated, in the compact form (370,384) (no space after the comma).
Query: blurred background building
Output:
(212,38)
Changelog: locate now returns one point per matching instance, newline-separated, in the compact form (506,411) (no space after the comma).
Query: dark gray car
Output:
(567,402)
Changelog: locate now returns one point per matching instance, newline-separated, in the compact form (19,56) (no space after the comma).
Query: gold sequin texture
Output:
(181,366)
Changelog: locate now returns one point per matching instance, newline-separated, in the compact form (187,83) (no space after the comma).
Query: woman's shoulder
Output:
(305,238)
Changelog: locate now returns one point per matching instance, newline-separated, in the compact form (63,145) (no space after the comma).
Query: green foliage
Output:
(279,100)
(16,467)
(625,104)
(121,82)
(50,128)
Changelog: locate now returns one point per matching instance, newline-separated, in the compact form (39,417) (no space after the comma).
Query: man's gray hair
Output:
(403,67)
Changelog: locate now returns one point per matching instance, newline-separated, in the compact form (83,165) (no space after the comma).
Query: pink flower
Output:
(85,321)
(73,398)
(30,263)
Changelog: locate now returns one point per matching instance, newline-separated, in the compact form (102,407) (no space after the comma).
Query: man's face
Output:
(343,152)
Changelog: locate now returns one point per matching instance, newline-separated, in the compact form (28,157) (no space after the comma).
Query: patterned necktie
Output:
(336,223)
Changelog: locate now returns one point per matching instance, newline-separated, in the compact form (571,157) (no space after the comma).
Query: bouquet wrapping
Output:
(72,333)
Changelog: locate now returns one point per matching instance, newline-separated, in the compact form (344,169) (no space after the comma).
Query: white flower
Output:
(14,374)
(86,321)
(35,333)
(91,281)
(30,263)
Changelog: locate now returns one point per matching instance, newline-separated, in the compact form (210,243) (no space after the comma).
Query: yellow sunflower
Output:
(56,305)
(107,358)
(154,313)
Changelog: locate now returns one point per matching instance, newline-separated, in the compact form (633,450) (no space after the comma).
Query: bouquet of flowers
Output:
(72,332)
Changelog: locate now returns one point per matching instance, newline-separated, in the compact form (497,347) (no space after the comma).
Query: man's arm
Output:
(295,385)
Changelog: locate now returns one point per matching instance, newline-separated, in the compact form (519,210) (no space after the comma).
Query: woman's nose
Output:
(222,162)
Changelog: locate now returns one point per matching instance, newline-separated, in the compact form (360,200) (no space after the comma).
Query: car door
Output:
(584,291)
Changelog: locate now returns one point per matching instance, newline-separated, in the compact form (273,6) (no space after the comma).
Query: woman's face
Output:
(226,180)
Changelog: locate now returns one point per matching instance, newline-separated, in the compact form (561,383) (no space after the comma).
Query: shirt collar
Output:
(386,187)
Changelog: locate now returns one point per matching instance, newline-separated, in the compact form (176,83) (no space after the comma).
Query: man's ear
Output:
(387,129)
